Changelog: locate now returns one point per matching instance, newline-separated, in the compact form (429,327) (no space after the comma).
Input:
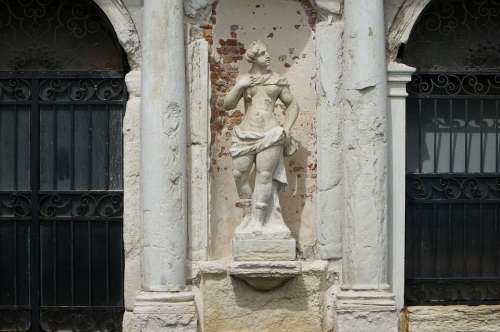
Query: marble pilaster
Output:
(330,200)
(398,76)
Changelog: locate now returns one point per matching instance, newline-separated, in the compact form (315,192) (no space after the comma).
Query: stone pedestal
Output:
(264,250)
(164,312)
(232,304)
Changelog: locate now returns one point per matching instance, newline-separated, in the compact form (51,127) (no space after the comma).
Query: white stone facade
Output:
(345,200)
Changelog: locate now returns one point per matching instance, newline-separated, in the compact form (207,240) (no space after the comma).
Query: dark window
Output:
(62,100)
(56,35)
(453,155)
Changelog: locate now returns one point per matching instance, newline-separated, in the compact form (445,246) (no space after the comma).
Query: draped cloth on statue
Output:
(251,142)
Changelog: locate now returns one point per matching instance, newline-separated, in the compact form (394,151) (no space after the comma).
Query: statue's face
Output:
(263,59)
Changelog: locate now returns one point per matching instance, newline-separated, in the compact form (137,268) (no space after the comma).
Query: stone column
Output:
(398,76)
(165,304)
(164,146)
(365,302)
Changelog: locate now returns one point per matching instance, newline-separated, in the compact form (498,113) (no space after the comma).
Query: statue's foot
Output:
(249,229)
(241,228)
(254,227)
(276,229)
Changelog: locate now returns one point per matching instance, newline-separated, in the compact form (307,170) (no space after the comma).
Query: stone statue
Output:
(260,141)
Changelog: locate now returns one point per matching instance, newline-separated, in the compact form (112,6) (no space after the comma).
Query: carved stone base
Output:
(265,276)
(163,312)
(366,311)
(264,250)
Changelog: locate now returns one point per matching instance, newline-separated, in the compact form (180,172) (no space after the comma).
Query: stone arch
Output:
(125,29)
(402,25)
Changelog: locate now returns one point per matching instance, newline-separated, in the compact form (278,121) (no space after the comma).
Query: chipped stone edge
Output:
(225,267)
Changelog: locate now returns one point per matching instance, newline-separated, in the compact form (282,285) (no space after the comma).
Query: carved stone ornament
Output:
(260,141)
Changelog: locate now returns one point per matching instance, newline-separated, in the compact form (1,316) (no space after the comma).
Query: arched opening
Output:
(62,101)
(453,155)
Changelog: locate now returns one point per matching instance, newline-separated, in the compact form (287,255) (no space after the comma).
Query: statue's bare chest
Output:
(271,91)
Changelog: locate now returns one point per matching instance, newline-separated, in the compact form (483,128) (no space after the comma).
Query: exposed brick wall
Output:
(223,74)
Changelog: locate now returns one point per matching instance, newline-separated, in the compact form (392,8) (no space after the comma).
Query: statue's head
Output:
(257,54)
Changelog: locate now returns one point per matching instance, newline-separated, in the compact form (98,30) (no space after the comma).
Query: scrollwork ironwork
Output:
(456,35)
(15,90)
(452,291)
(90,204)
(83,90)
(454,84)
(15,204)
(56,35)
(474,188)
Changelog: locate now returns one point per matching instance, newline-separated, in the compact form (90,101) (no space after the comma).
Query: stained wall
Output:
(287,27)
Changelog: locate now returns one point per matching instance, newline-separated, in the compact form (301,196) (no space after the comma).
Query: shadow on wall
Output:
(294,198)
(267,300)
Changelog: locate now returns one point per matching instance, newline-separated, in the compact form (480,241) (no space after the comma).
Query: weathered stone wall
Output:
(287,29)
(229,304)
(452,319)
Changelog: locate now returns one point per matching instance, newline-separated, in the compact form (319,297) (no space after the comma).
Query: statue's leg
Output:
(266,163)
(242,166)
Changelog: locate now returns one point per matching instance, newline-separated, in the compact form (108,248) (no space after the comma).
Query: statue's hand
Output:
(245,81)
(291,145)
(287,132)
